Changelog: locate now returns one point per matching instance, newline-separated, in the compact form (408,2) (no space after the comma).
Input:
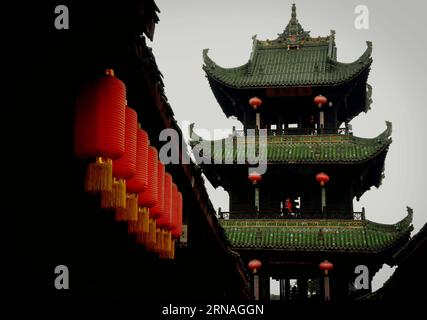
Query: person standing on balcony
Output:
(311,125)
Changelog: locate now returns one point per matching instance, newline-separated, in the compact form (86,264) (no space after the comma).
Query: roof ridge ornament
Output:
(294,34)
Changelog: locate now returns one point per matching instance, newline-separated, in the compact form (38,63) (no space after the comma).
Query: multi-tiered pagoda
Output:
(302,213)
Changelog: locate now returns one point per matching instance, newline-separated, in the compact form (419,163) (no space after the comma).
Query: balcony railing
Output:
(357,215)
(299,131)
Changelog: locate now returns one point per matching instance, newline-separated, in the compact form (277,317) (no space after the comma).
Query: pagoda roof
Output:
(293,59)
(299,149)
(316,235)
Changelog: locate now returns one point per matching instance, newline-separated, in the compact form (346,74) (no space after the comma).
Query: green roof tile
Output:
(273,65)
(332,235)
(299,149)
(293,59)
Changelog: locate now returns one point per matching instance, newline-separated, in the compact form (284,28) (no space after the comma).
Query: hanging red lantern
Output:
(254,177)
(138,182)
(254,265)
(326,266)
(322,178)
(148,198)
(164,223)
(176,232)
(255,102)
(165,220)
(320,100)
(124,167)
(157,210)
(173,223)
(167,232)
(99,129)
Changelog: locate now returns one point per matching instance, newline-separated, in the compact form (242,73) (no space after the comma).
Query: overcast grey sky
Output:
(398,77)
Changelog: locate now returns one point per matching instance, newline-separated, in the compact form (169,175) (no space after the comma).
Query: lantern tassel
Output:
(146,220)
(159,241)
(130,212)
(172,251)
(132,207)
(152,235)
(116,198)
(136,226)
(168,253)
(99,176)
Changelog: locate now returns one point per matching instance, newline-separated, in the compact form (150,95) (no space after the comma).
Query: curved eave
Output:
(283,235)
(210,66)
(229,77)
(380,143)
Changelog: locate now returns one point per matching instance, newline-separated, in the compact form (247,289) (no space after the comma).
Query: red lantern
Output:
(255,177)
(174,219)
(176,233)
(138,183)
(255,102)
(165,220)
(322,178)
(125,167)
(320,100)
(148,198)
(164,240)
(157,210)
(326,266)
(99,129)
(254,265)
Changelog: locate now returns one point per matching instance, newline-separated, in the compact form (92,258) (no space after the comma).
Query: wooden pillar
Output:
(257,287)
(282,289)
(287,288)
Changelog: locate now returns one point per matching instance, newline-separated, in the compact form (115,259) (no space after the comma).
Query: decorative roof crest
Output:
(294,34)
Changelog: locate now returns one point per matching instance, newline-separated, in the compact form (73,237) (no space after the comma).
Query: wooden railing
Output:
(357,215)
(298,131)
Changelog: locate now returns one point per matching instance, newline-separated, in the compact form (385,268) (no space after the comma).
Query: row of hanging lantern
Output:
(124,169)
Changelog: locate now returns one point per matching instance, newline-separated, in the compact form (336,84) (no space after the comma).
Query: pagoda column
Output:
(282,289)
(255,265)
(287,288)
(320,101)
(255,177)
(255,102)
